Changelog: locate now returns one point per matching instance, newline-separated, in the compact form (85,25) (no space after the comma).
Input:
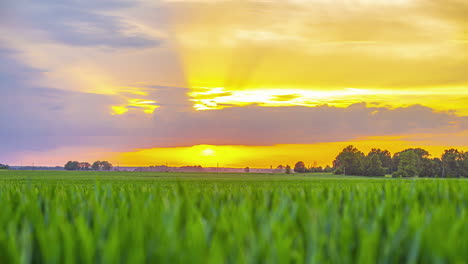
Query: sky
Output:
(231,82)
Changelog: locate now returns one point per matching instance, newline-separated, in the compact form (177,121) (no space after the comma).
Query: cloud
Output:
(286,97)
(310,46)
(77,23)
(255,125)
(323,44)
(41,118)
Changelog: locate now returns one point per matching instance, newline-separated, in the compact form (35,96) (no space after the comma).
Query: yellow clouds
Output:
(260,52)
(269,53)
(118,110)
(145,105)
(440,99)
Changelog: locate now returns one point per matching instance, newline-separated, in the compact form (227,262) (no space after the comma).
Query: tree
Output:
(438,167)
(84,165)
(452,160)
(420,153)
(374,166)
(315,169)
(106,165)
(4,167)
(464,164)
(349,161)
(300,167)
(288,169)
(328,169)
(101,165)
(385,158)
(72,165)
(338,171)
(246,169)
(431,168)
(408,165)
(96,165)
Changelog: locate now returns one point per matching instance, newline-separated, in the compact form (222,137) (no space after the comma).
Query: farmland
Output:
(124,217)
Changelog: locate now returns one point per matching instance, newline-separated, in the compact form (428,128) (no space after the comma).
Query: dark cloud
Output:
(255,125)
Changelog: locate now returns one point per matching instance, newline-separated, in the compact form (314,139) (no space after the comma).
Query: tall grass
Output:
(208,220)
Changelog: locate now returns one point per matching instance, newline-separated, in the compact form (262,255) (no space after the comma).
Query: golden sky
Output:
(339,52)
(250,82)
(320,154)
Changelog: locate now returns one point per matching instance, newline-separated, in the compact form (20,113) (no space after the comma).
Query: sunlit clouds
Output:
(240,82)
(440,99)
(310,53)
(146,106)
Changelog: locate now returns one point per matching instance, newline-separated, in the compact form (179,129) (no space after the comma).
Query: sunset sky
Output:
(237,82)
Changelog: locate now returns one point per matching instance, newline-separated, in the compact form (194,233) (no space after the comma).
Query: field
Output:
(118,217)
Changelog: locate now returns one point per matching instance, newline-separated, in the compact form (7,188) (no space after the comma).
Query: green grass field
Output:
(123,217)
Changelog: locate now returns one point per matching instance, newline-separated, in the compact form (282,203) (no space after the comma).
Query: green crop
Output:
(116,217)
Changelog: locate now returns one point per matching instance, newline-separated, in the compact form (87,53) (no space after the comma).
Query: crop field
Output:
(123,217)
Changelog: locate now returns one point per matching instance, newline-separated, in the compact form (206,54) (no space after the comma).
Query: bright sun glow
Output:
(208,152)
(286,154)
(219,97)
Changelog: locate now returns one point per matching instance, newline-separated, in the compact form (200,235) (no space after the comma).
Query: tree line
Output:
(301,167)
(97,165)
(412,162)
(4,167)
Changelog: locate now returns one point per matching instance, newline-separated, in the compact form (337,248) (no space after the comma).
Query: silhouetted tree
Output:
(300,167)
(96,165)
(84,166)
(247,169)
(288,169)
(338,171)
(101,165)
(315,169)
(328,169)
(106,165)
(72,165)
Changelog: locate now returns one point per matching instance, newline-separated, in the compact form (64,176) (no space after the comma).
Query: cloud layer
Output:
(77,23)
(116,75)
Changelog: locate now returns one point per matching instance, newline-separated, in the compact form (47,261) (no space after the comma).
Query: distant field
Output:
(140,217)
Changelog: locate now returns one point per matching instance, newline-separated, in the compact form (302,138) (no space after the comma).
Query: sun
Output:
(208,152)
